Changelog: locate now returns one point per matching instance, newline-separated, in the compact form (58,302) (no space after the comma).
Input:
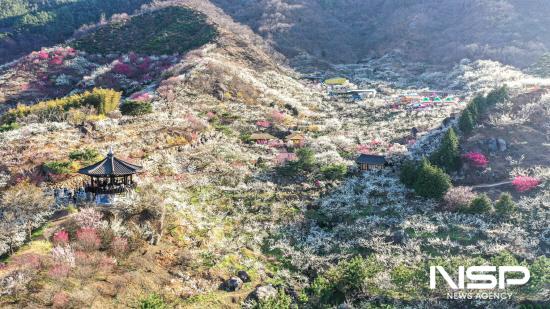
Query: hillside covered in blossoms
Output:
(160,154)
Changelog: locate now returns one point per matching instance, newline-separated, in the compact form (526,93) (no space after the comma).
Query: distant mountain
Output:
(511,31)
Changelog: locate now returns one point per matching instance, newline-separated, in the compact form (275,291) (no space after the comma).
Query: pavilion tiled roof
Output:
(295,136)
(261,136)
(110,166)
(371,159)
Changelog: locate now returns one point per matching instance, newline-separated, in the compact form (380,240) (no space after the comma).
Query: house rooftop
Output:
(295,135)
(336,81)
(260,136)
(371,159)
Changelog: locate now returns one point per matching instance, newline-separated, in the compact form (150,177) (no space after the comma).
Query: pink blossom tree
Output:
(476,159)
(43,55)
(59,271)
(119,245)
(88,239)
(61,238)
(277,117)
(123,68)
(60,300)
(525,183)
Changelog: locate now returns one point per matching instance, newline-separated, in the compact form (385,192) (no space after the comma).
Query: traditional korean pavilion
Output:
(110,175)
(262,138)
(297,138)
(370,162)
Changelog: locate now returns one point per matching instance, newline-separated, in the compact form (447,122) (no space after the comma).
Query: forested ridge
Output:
(27,25)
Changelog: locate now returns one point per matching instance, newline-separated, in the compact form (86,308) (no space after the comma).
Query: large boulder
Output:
(232,284)
(492,145)
(264,292)
(243,275)
(399,237)
(502,146)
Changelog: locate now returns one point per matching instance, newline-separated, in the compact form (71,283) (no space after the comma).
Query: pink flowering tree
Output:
(141,97)
(59,271)
(43,55)
(119,245)
(277,117)
(61,238)
(27,261)
(366,149)
(263,124)
(122,68)
(525,183)
(57,60)
(60,300)
(88,239)
(476,159)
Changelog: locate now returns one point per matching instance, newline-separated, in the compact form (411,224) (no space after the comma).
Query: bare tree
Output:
(25,204)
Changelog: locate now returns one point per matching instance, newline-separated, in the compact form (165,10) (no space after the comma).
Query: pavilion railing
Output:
(110,189)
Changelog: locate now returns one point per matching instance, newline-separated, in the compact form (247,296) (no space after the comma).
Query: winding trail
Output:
(491,185)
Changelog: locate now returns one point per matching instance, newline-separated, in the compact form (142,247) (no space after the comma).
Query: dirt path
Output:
(491,185)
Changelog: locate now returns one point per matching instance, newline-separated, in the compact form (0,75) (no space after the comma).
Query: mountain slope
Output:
(27,25)
(219,220)
(512,31)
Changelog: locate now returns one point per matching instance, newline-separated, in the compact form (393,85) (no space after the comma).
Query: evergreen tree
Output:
(481,204)
(408,173)
(431,181)
(466,122)
(477,106)
(498,95)
(306,159)
(448,154)
(505,205)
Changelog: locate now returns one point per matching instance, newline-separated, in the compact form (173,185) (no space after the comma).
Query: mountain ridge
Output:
(510,31)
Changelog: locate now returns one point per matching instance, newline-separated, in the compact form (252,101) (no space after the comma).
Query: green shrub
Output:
(306,159)
(245,138)
(58,168)
(505,205)
(334,171)
(448,154)
(431,181)
(504,258)
(466,122)
(344,281)
(540,274)
(408,279)
(9,126)
(153,301)
(408,174)
(104,100)
(84,155)
(481,204)
(281,301)
(136,108)
(305,163)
